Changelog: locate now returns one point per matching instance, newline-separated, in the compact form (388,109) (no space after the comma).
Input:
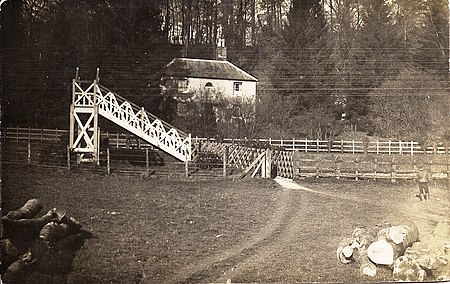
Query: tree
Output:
(410,106)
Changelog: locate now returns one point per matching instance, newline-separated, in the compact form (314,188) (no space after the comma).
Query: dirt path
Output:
(280,251)
(204,267)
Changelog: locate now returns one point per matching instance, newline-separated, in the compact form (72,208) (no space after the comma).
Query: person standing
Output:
(423,178)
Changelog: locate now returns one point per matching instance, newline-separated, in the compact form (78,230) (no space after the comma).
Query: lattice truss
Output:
(284,162)
(132,118)
(242,157)
(238,156)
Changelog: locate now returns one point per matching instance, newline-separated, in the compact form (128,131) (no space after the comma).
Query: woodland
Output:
(322,65)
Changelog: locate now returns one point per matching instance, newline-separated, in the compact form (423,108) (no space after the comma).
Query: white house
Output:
(188,79)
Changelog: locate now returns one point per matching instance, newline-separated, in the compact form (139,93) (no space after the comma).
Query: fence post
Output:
(375,169)
(186,165)
(356,169)
(108,162)
(146,161)
(378,147)
(400,147)
(29,133)
(317,145)
(342,145)
(353,146)
(268,171)
(412,149)
(393,171)
(337,168)
(68,157)
(225,154)
(281,142)
(42,134)
(448,174)
(29,152)
(389,147)
(293,144)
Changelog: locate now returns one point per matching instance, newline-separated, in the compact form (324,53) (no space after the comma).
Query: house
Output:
(193,79)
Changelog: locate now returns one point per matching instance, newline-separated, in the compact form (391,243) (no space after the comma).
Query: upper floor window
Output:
(183,86)
(237,88)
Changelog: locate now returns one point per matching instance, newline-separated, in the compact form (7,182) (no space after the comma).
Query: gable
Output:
(210,69)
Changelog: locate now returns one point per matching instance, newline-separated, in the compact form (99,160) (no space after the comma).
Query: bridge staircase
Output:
(91,100)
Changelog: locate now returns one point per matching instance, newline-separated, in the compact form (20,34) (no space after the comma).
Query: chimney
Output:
(221,50)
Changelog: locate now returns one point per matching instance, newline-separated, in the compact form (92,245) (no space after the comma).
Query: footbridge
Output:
(90,99)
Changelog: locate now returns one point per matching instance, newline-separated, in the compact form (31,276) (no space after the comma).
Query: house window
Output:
(183,86)
(237,88)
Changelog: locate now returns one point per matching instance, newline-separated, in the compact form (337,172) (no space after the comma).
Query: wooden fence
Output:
(118,140)
(41,149)
(290,164)
(143,162)
(242,157)
(389,147)
(124,140)
(369,166)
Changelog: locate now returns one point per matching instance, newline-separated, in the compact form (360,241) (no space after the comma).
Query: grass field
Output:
(178,230)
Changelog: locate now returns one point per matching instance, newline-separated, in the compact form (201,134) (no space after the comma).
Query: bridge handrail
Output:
(136,108)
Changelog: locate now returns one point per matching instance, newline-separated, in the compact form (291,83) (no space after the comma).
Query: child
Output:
(422,179)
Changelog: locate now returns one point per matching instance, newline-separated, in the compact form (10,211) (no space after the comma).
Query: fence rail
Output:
(143,162)
(219,159)
(341,146)
(124,140)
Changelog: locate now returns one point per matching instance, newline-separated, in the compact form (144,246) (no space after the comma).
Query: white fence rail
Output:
(303,145)
(342,146)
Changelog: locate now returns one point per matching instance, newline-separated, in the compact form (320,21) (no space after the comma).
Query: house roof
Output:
(202,68)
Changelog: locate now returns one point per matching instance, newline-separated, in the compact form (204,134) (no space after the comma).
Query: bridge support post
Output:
(84,136)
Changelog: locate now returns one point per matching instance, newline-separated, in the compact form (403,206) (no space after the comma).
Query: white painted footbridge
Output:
(90,99)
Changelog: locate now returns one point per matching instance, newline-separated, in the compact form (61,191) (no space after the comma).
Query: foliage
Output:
(412,106)
(310,57)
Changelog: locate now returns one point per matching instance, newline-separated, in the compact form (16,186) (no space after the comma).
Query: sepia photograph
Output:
(224,141)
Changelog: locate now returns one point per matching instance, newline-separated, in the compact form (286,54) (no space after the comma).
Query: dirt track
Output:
(281,251)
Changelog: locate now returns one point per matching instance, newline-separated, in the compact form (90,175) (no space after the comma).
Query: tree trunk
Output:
(345,251)
(407,269)
(363,238)
(360,241)
(30,209)
(392,242)
(53,231)
(17,269)
(28,228)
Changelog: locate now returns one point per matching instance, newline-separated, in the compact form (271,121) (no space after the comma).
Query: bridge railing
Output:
(143,124)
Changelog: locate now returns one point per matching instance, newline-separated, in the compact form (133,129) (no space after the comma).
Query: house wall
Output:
(247,89)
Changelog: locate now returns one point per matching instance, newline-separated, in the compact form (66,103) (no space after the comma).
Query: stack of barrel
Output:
(28,242)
